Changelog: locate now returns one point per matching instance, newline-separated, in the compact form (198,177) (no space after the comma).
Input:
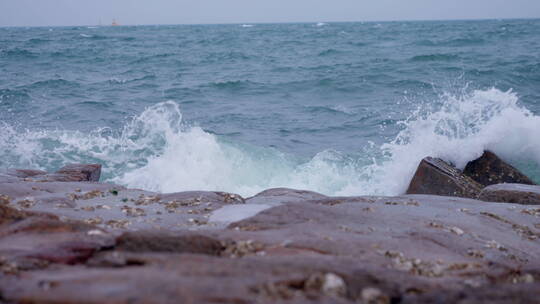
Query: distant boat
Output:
(114,23)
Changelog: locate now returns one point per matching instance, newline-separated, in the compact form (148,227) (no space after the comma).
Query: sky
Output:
(130,12)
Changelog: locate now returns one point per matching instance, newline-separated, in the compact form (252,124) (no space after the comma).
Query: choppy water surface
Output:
(339,108)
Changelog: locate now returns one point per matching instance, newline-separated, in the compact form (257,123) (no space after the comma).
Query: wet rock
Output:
(162,241)
(81,172)
(512,193)
(435,176)
(489,169)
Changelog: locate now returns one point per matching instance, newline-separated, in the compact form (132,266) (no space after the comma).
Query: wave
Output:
(157,151)
(53,83)
(36,41)
(18,53)
(329,52)
(93,37)
(232,84)
(9,95)
(434,57)
(458,130)
(336,109)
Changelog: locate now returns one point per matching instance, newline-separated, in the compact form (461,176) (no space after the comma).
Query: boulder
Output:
(80,172)
(489,169)
(512,193)
(435,176)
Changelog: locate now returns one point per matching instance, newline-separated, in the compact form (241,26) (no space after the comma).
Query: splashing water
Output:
(156,151)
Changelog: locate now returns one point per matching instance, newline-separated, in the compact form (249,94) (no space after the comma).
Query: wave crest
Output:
(157,151)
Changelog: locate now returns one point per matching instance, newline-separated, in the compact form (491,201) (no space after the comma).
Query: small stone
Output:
(333,285)
(4,200)
(495,245)
(94,221)
(28,202)
(371,295)
(457,230)
(475,253)
(95,232)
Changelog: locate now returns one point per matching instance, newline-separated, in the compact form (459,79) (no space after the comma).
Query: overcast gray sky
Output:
(89,12)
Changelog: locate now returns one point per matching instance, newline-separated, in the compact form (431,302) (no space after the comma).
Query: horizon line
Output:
(282,22)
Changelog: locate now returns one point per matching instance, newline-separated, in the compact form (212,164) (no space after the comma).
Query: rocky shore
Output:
(470,236)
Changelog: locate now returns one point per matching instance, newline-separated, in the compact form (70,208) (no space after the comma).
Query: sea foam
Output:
(157,151)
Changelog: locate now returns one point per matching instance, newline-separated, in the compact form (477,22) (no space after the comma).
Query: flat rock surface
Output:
(512,193)
(115,207)
(123,245)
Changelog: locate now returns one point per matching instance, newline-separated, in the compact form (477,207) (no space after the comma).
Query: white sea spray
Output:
(157,151)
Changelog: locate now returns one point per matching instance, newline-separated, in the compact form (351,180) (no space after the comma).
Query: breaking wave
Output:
(157,151)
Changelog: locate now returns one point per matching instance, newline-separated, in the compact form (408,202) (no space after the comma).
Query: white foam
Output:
(458,132)
(156,151)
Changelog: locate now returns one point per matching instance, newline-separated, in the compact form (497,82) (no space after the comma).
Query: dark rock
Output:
(435,176)
(80,172)
(512,193)
(163,241)
(489,169)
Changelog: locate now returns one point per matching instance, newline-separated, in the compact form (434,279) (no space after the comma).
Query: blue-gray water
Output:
(340,108)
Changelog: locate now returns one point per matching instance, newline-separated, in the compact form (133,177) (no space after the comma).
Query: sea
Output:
(338,108)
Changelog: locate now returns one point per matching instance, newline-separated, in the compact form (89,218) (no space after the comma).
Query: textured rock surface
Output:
(489,169)
(512,193)
(435,176)
(81,172)
(304,248)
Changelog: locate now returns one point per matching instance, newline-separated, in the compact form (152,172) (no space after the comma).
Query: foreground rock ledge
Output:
(60,241)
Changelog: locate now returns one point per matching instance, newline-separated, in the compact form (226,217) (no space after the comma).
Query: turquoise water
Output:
(339,108)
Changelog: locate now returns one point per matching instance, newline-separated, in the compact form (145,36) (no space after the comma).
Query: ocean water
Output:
(338,108)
